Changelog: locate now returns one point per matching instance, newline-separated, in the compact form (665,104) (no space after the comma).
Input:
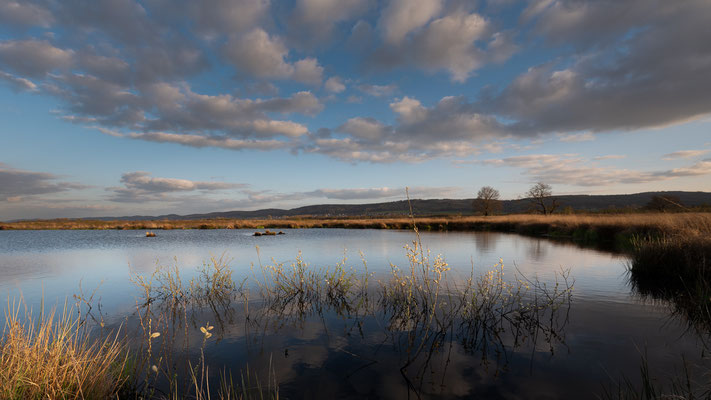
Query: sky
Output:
(126,107)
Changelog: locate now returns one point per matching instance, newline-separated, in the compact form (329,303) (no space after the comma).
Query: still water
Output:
(607,328)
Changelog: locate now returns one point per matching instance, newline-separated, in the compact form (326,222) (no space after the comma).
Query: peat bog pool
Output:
(578,346)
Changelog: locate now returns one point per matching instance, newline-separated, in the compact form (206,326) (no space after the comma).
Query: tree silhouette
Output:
(487,201)
(664,203)
(540,196)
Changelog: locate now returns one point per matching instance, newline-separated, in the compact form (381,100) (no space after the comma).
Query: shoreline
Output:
(587,228)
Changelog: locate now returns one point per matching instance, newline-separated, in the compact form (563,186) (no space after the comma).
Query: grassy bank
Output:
(662,245)
(581,227)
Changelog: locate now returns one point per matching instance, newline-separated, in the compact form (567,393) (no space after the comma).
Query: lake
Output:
(600,336)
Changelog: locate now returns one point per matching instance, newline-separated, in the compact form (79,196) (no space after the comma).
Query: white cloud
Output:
(569,169)
(610,157)
(34,58)
(308,71)
(141,186)
(401,17)
(144,181)
(378,90)
(365,128)
(335,84)
(459,43)
(700,168)
(577,137)
(260,55)
(215,17)
(449,43)
(353,194)
(629,72)
(15,184)
(17,83)
(381,193)
(208,141)
(329,11)
(186,111)
(314,20)
(684,154)
(24,13)
(450,128)
(409,110)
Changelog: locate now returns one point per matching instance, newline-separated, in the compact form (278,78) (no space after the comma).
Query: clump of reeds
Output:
(298,288)
(52,356)
(166,286)
(415,293)
(676,269)
(671,256)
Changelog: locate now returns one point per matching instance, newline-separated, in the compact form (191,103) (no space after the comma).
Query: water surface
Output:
(607,331)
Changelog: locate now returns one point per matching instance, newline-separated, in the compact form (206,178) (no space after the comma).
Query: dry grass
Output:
(694,223)
(53,357)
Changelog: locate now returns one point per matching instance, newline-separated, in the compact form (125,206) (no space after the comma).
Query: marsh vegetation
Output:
(158,351)
(221,331)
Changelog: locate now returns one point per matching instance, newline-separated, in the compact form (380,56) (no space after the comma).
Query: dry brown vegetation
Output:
(52,357)
(591,227)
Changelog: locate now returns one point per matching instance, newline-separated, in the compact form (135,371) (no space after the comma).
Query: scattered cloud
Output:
(313,21)
(258,54)
(460,132)
(354,99)
(200,141)
(209,74)
(382,193)
(458,42)
(700,168)
(140,186)
(630,72)
(335,84)
(570,169)
(24,14)
(16,184)
(18,84)
(173,110)
(610,157)
(34,58)
(377,90)
(216,17)
(684,154)
(577,137)
(401,17)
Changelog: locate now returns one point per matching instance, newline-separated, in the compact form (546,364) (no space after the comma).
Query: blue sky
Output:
(124,107)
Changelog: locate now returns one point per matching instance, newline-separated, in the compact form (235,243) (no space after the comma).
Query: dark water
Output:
(607,331)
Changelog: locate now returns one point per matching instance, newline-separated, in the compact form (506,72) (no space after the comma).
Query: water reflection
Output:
(537,249)
(486,242)
(416,320)
(351,340)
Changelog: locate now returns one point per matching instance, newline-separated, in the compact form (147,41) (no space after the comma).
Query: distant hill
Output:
(443,207)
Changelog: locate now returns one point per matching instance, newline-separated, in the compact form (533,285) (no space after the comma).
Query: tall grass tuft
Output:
(678,270)
(52,356)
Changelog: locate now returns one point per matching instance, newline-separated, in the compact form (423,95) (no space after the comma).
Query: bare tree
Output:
(665,203)
(487,201)
(540,196)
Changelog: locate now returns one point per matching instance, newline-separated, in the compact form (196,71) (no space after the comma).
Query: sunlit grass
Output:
(52,356)
(565,224)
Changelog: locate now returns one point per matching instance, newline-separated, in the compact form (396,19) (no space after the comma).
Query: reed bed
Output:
(419,309)
(603,224)
(53,356)
(57,356)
